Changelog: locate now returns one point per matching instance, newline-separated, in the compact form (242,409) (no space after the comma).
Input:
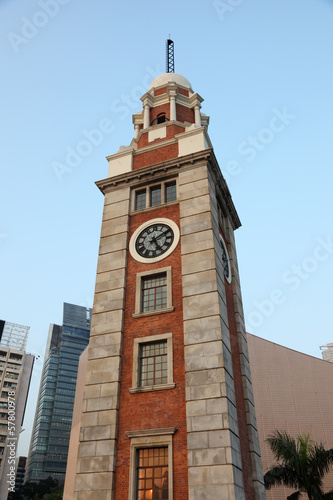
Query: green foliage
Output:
(302,464)
(47,489)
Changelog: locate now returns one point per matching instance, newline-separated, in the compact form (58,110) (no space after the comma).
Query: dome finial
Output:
(170,56)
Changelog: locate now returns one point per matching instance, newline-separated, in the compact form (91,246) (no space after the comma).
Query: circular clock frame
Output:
(145,225)
(226,260)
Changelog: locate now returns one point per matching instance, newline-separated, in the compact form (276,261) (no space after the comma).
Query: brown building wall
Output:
(292,392)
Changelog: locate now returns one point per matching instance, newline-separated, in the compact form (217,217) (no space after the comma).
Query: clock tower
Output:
(167,410)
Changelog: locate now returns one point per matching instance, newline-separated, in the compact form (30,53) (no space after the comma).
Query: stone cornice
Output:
(222,187)
(151,432)
(146,174)
(171,167)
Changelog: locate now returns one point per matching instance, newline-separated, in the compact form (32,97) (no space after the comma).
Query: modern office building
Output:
(15,375)
(50,436)
(167,407)
(292,392)
(20,467)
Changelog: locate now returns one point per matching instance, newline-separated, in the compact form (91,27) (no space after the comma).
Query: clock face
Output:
(154,240)
(225,260)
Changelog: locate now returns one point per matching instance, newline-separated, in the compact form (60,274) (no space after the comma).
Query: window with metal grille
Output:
(140,199)
(153,363)
(152,474)
(170,192)
(155,196)
(154,292)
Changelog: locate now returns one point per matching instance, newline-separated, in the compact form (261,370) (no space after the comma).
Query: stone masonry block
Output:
(105,448)
(114,243)
(109,301)
(105,340)
(115,226)
(104,352)
(202,330)
(206,422)
(210,492)
(111,389)
(216,406)
(195,263)
(222,474)
(99,404)
(219,439)
(195,223)
(203,392)
(205,377)
(103,481)
(108,417)
(197,242)
(196,408)
(94,464)
(200,306)
(111,261)
(192,175)
(116,210)
(213,456)
(197,205)
(100,372)
(120,194)
(87,450)
(197,440)
(89,419)
(199,476)
(115,278)
(198,283)
(107,322)
(98,433)
(193,189)
(83,482)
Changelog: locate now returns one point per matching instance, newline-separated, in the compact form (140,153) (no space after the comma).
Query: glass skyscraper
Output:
(50,437)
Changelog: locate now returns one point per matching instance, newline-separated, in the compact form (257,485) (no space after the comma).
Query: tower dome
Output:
(170,77)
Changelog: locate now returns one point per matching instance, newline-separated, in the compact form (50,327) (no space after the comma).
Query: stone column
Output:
(213,444)
(173,116)
(146,116)
(97,448)
(197,117)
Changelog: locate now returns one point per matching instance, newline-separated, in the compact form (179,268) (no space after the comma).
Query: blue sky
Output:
(263,67)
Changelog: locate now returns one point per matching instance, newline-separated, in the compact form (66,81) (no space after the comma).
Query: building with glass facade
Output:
(15,375)
(50,437)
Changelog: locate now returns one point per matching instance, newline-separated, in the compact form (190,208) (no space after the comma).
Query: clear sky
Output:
(264,68)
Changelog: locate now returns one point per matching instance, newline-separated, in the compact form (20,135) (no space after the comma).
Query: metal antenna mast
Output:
(170,56)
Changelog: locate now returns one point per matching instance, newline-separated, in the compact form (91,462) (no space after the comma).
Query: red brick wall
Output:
(172,130)
(241,415)
(184,114)
(183,91)
(157,409)
(160,91)
(163,108)
(155,156)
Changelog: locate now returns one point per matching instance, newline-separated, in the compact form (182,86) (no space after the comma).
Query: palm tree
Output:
(302,465)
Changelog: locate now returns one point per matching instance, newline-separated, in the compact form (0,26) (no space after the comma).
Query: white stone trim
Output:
(135,374)
(153,438)
(138,292)
(143,226)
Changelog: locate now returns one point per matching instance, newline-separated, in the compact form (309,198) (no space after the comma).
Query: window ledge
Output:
(148,209)
(149,388)
(151,313)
